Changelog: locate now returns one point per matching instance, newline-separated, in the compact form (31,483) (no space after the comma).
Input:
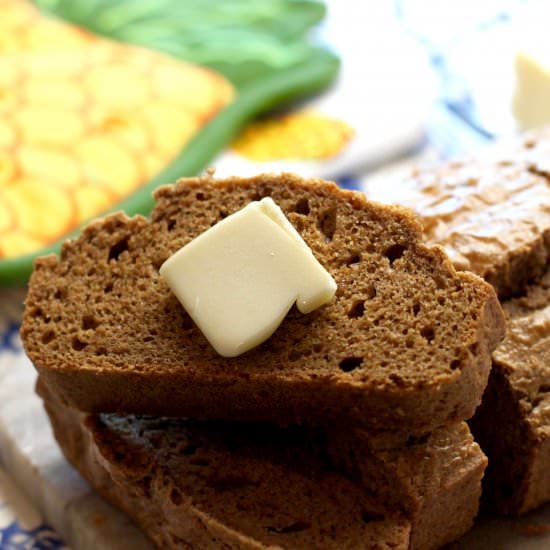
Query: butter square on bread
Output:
(238,279)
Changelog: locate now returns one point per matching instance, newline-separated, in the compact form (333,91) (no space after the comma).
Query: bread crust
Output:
(518,395)
(405,343)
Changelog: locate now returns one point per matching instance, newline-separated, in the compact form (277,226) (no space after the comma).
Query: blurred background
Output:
(468,73)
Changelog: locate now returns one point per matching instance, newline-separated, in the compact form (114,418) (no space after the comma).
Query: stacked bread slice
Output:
(343,430)
(492,215)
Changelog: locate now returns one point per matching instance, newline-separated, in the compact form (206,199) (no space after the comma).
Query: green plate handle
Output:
(280,86)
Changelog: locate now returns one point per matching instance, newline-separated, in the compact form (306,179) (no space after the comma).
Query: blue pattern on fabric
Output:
(349,182)
(14,537)
(9,340)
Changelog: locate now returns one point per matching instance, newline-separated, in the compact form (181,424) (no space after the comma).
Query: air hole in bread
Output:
(175,497)
(89,322)
(349,364)
(48,336)
(37,312)
(170,224)
(441,300)
(353,258)
(200,196)
(427,332)
(295,527)
(108,287)
(455,364)
(222,214)
(394,252)
(544,388)
(60,294)
(91,272)
(397,380)
(416,309)
(327,223)
(118,248)
(77,344)
(357,309)
(294,355)
(302,207)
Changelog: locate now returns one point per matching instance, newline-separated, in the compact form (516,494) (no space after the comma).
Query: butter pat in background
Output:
(240,278)
(531,101)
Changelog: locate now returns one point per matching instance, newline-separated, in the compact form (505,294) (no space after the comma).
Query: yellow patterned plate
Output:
(85,121)
(88,125)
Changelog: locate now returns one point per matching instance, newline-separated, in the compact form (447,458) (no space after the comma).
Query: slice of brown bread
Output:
(192,484)
(405,343)
(513,423)
(491,214)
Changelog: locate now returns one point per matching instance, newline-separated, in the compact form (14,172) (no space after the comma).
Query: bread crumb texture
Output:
(407,336)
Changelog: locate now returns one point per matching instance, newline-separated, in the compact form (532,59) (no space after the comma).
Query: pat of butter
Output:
(531,107)
(239,279)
